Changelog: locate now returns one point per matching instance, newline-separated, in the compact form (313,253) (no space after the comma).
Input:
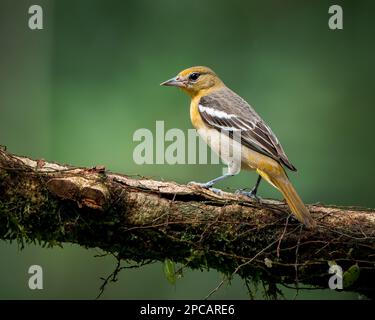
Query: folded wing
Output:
(227,111)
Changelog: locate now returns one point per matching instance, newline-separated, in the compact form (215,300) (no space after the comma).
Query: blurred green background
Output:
(76,91)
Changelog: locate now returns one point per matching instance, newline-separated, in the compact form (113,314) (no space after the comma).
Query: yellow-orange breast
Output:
(195,116)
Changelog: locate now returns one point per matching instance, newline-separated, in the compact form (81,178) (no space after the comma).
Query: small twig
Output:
(244,264)
(296,263)
(111,277)
(281,237)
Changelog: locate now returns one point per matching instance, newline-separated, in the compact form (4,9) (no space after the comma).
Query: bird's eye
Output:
(194,76)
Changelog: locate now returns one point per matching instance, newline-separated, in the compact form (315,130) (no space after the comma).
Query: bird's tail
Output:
(293,200)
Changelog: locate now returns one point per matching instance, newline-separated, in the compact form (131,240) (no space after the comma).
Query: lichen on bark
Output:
(143,220)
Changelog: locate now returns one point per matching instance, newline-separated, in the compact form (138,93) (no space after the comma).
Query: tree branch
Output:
(145,220)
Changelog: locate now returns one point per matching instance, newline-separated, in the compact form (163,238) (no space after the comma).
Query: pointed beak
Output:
(174,82)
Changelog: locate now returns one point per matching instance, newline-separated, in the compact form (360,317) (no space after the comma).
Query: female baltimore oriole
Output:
(215,111)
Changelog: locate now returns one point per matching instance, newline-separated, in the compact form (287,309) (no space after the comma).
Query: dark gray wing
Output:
(225,110)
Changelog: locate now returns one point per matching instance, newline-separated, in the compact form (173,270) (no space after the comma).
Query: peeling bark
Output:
(145,220)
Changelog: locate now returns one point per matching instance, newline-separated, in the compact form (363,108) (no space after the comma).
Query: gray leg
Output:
(253,192)
(210,183)
(233,169)
(255,189)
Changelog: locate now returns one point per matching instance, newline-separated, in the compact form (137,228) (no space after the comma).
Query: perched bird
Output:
(217,113)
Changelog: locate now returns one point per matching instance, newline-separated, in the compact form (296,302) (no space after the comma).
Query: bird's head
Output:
(195,79)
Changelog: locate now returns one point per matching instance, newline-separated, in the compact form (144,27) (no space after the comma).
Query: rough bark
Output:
(143,220)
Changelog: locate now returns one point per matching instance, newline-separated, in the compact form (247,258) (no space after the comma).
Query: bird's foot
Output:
(251,194)
(206,185)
